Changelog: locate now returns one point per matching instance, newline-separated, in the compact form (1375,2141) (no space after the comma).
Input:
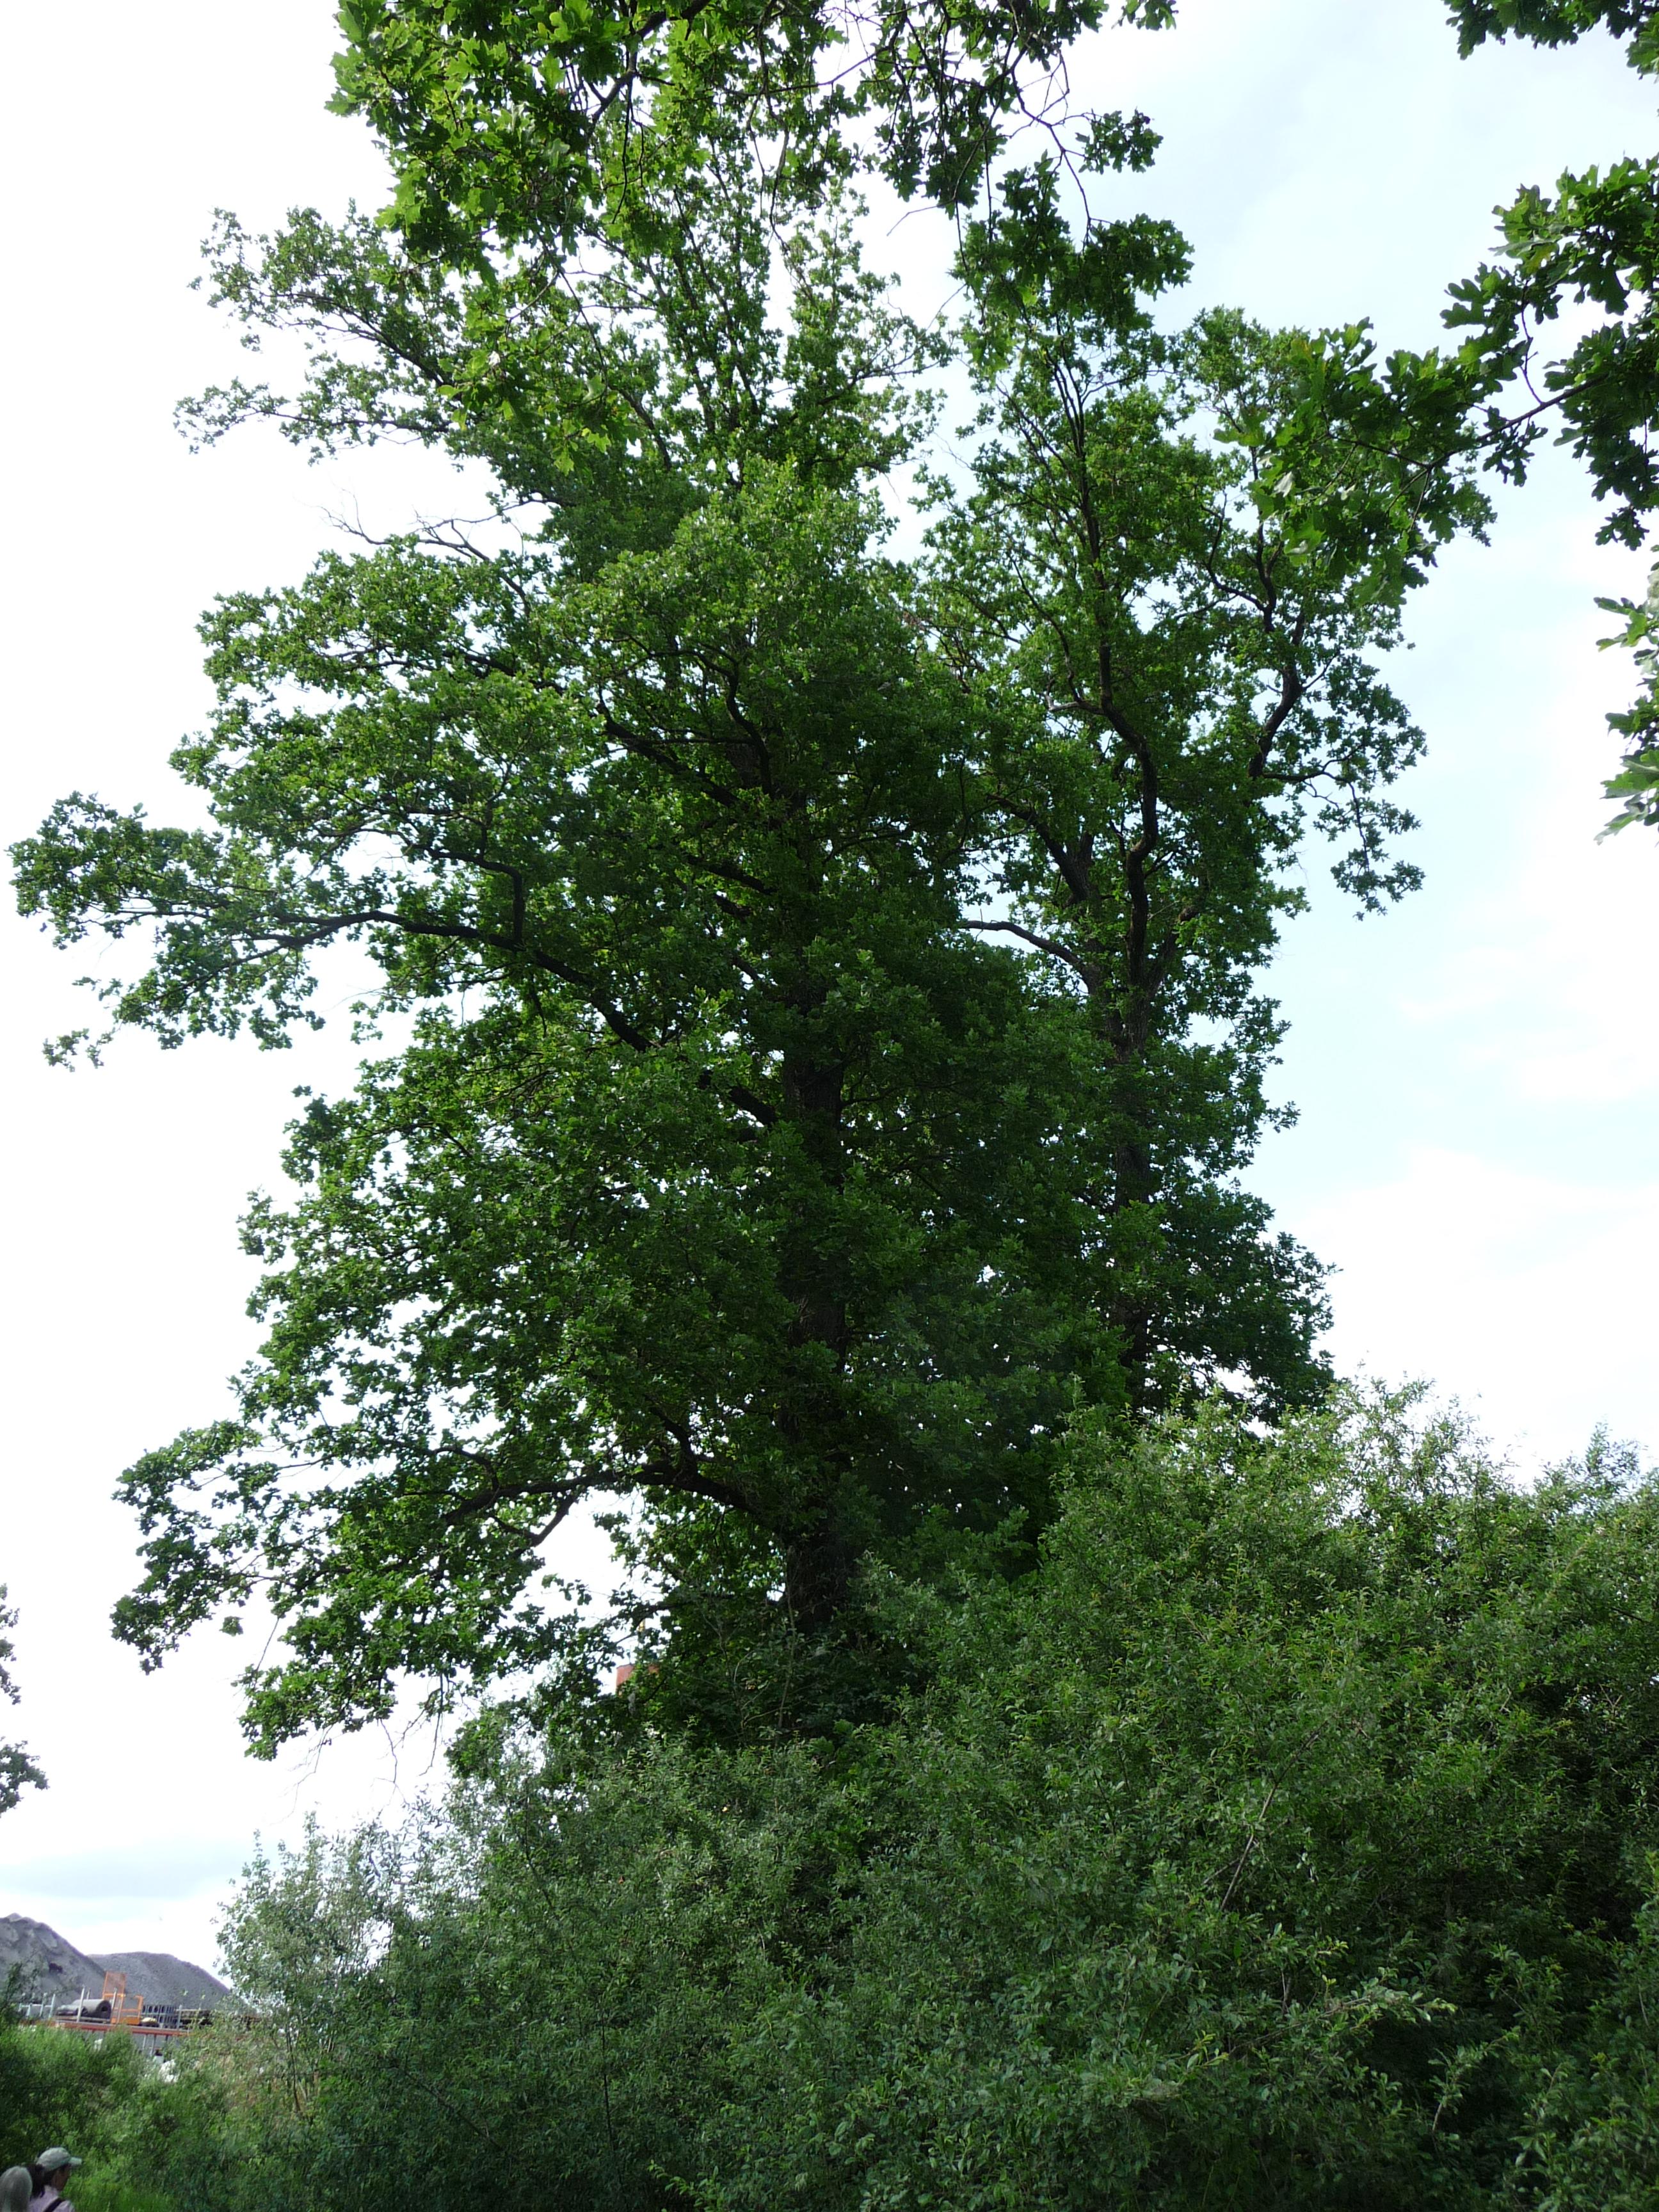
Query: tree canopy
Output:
(516,123)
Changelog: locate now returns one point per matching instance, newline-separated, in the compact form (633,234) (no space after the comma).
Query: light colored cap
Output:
(55,2159)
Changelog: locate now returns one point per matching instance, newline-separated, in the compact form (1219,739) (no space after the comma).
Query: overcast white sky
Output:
(1478,1072)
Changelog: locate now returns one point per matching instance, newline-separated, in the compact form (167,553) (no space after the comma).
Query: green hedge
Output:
(1286,1840)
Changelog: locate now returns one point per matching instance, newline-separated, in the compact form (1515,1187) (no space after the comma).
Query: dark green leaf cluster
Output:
(1551,22)
(1595,244)
(1286,1837)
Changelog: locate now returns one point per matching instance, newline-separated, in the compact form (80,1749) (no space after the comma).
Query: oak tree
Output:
(830,1033)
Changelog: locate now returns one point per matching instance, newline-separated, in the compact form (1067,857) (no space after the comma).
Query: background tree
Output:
(18,1771)
(1593,245)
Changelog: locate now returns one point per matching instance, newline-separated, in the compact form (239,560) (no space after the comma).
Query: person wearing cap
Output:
(49,2173)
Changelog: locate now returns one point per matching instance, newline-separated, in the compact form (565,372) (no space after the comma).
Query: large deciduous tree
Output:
(831,1030)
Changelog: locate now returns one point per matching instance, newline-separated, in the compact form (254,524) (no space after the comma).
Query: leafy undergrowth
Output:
(1285,1839)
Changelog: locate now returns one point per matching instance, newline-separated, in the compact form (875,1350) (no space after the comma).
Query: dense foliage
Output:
(88,2090)
(1286,1838)
(495,114)
(510,121)
(1073,1761)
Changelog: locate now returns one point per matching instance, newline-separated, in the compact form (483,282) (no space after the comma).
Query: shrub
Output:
(1283,1839)
(74,2089)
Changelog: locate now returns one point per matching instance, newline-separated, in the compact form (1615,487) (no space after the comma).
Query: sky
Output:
(1477,1073)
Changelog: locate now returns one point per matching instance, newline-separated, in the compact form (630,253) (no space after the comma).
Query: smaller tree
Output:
(18,1771)
(1167,589)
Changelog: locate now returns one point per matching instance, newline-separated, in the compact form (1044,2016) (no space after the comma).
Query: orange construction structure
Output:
(125,2016)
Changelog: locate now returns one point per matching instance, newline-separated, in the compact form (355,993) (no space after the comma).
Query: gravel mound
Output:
(49,1968)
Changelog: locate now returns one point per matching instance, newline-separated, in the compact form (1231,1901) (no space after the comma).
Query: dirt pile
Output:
(49,1968)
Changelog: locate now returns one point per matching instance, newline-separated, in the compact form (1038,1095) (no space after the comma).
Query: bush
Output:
(75,2089)
(1283,1840)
